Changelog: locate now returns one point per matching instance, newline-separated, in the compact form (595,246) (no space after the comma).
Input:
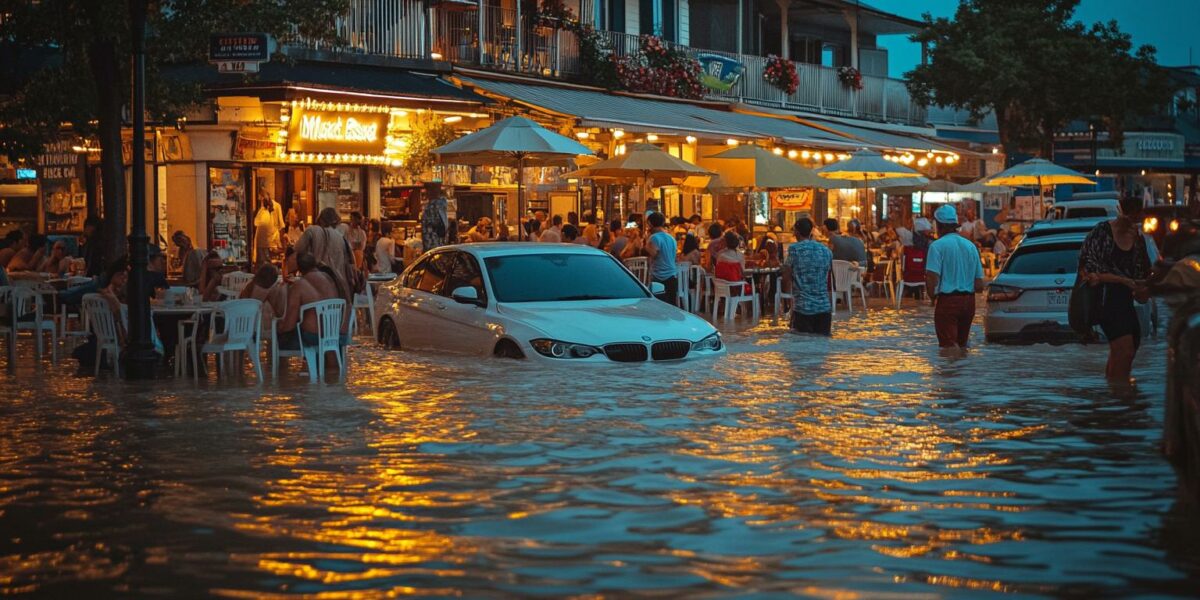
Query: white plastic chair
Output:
(781,296)
(233,283)
(329,326)
(640,267)
(242,321)
(683,294)
(26,313)
(103,325)
(365,301)
(723,290)
(701,285)
(845,277)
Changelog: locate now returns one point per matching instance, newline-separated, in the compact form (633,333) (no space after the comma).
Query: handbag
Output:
(1083,307)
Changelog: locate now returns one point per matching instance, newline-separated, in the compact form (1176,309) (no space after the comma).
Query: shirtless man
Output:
(313,285)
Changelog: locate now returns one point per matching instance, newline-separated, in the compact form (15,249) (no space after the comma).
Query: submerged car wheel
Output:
(388,337)
(508,349)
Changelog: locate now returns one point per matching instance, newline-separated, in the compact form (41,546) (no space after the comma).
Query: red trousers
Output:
(952,319)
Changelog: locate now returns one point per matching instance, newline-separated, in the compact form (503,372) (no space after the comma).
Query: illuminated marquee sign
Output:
(337,132)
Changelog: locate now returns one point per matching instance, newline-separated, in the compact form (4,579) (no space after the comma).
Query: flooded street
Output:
(794,466)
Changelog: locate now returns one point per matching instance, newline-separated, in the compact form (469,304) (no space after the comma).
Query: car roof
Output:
(1071,237)
(488,249)
(1092,196)
(1075,224)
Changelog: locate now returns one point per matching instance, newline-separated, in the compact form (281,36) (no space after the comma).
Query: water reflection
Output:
(861,466)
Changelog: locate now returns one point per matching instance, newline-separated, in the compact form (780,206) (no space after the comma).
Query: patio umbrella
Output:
(513,142)
(867,165)
(643,162)
(1036,171)
(756,167)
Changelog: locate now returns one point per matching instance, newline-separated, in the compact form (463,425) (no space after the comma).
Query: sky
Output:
(1171,26)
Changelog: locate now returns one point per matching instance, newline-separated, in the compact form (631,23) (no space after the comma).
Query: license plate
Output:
(1058,299)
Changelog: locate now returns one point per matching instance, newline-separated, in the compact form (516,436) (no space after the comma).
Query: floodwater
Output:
(862,466)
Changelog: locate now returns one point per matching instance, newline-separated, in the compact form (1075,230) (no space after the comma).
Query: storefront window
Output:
(227,213)
(64,195)
(340,189)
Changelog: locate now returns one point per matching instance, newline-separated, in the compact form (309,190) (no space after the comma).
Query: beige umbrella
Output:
(1036,171)
(646,163)
(756,167)
(867,165)
(514,142)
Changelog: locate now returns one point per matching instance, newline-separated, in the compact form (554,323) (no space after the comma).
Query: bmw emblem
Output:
(645,338)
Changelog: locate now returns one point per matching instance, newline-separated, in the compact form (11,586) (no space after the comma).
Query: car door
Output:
(463,328)
(422,286)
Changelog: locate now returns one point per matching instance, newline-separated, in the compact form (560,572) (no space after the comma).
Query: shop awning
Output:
(594,108)
(279,81)
(887,139)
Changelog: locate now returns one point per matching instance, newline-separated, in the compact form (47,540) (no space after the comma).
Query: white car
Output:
(562,303)
(1027,301)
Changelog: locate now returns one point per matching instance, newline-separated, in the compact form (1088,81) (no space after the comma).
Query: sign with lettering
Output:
(61,184)
(1145,146)
(250,47)
(796,200)
(718,72)
(337,132)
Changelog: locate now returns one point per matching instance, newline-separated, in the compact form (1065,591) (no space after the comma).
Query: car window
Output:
(1047,259)
(560,278)
(463,271)
(434,274)
(1087,212)
(415,273)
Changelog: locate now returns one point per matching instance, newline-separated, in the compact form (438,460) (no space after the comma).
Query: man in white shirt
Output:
(953,275)
(385,249)
(553,234)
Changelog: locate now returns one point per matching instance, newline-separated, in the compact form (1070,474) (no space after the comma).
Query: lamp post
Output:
(140,358)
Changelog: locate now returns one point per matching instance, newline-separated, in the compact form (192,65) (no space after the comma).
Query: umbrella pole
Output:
(521,199)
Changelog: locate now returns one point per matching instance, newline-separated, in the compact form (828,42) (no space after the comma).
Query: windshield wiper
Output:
(583,297)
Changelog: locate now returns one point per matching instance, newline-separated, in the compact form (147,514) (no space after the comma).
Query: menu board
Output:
(64,197)
(227,214)
(340,189)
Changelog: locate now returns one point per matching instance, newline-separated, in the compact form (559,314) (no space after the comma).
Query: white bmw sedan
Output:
(562,303)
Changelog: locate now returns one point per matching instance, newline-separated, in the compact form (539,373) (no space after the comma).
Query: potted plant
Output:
(850,77)
(781,73)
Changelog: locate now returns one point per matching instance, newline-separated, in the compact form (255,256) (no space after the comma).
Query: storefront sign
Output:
(1140,147)
(718,72)
(253,148)
(337,132)
(795,200)
(64,196)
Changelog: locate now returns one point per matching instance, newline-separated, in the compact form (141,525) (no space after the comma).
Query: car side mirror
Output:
(466,295)
(657,288)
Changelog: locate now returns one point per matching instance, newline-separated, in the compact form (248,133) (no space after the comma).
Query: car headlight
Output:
(710,343)
(559,349)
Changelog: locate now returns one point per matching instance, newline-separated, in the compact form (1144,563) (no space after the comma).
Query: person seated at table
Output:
(1003,243)
(210,277)
(570,234)
(730,263)
(191,259)
(12,243)
(57,262)
(266,288)
(691,249)
(769,254)
(314,284)
(116,277)
(716,243)
(844,247)
(156,266)
(616,238)
(501,228)
(30,257)
(636,246)
(481,232)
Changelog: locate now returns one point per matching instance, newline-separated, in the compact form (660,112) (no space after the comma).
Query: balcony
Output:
(489,37)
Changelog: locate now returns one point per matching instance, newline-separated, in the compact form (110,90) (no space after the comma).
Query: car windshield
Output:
(1048,259)
(559,278)
(1085,212)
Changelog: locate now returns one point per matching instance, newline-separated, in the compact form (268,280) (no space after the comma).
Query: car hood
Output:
(599,322)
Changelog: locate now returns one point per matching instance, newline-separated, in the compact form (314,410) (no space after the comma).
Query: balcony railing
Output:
(488,36)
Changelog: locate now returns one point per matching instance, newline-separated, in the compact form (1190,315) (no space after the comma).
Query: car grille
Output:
(670,350)
(626,352)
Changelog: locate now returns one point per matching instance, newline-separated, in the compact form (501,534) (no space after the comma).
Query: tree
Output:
(1027,62)
(88,83)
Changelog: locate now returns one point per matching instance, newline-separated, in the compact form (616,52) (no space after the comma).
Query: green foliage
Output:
(1036,69)
(429,131)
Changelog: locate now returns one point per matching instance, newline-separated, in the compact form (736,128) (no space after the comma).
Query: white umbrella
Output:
(514,142)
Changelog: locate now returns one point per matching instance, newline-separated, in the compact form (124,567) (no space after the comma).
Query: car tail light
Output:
(1003,293)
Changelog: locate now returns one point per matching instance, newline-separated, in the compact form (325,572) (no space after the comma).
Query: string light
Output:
(583,135)
(731,142)
(650,137)
(618,134)
(805,154)
(792,154)
(778,151)
(922,162)
(691,139)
